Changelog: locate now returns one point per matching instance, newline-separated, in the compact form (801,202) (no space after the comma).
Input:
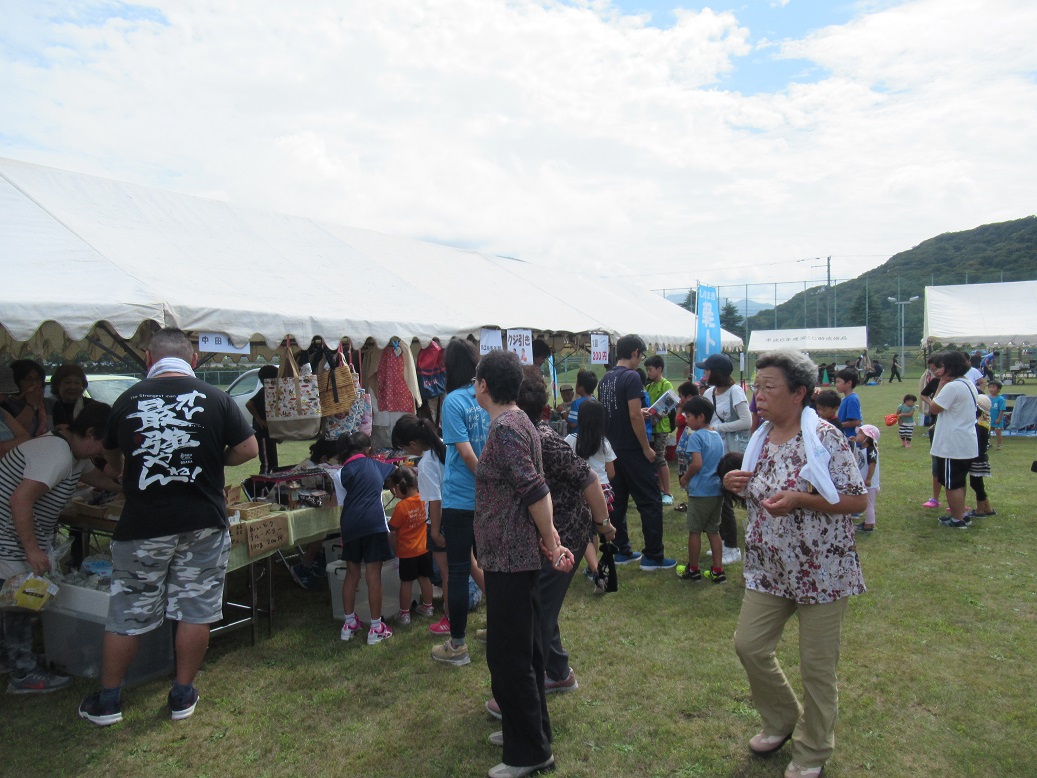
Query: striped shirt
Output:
(48,460)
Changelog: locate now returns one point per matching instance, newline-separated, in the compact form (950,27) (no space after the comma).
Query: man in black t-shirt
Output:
(620,392)
(170,435)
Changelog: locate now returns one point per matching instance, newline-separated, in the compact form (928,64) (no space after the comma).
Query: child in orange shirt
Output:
(407,534)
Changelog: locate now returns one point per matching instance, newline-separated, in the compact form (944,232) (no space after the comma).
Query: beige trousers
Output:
(760,625)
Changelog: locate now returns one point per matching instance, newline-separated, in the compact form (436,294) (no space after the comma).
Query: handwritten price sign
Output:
(599,349)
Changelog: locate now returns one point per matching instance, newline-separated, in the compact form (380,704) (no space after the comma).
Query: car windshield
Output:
(107,389)
(246,383)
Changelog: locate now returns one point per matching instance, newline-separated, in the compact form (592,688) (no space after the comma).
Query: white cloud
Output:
(571,135)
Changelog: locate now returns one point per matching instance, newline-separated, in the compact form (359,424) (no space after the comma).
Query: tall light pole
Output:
(902,304)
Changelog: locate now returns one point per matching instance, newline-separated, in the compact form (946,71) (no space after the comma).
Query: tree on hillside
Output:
(867,311)
(730,319)
(689,301)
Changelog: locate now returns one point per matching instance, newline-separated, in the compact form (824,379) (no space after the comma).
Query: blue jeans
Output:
(460,540)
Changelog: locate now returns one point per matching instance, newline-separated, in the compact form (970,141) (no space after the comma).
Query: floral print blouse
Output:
(509,478)
(807,556)
(567,476)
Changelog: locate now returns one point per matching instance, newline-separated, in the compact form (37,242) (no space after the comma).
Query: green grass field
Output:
(936,676)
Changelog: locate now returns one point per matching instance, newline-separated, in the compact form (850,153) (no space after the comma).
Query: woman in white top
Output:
(589,443)
(733,421)
(955,444)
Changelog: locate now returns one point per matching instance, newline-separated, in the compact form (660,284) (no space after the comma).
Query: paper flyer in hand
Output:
(666,403)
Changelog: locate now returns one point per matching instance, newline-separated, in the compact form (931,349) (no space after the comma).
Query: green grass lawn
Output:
(936,676)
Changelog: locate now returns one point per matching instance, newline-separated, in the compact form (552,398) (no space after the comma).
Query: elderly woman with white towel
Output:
(801,482)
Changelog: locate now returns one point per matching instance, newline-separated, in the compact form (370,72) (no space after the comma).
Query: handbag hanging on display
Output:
(356,419)
(292,402)
(338,387)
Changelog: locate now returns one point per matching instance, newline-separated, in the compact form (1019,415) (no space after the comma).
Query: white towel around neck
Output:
(815,471)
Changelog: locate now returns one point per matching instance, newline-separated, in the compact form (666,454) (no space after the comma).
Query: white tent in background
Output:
(814,339)
(988,314)
(91,262)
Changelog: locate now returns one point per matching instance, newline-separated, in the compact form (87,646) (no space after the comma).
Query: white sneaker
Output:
(377,636)
(731,556)
(403,617)
(350,629)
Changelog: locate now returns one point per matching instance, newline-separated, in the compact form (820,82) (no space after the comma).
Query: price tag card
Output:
(521,342)
(599,349)
(489,340)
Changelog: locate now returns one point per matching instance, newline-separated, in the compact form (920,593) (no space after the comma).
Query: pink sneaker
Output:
(931,503)
(441,627)
(349,629)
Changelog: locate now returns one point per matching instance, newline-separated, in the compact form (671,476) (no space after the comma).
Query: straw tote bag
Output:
(338,387)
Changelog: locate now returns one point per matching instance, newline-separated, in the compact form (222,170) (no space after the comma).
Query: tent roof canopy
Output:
(989,314)
(78,250)
(814,339)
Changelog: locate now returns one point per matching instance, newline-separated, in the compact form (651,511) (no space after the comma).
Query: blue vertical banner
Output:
(707,336)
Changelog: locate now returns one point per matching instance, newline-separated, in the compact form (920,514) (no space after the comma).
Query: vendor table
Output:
(304,525)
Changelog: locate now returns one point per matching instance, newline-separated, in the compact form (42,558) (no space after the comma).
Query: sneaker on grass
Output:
(568,685)
(350,628)
(37,682)
(493,709)
(182,705)
(441,627)
(403,617)
(687,573)
(425,610)
(931,503)
(731,556)
(717,578)
(953,523)
(624,559)
(451,654)
(378,634)
(504,770)
(862,527)
(93,711)
(667,499)
(651,565)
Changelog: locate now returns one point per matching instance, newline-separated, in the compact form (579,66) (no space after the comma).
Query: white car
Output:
(107,388)
(243,388)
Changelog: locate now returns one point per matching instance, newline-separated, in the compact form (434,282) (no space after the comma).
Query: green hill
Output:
(1006,251)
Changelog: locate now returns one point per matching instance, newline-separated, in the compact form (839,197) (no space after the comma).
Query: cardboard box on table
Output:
(73,631)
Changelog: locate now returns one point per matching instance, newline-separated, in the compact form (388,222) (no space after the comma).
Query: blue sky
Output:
(768,21)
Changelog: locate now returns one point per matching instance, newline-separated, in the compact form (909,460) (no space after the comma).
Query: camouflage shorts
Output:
(179,577)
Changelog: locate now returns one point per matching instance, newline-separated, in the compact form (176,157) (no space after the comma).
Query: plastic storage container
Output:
(73,631)
(390,591)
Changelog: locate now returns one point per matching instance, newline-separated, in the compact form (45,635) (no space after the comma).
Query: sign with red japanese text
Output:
(599,349)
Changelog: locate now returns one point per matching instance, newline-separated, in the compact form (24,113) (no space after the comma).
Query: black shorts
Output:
(368,548)
(430,544)
(951,473)
(415,567)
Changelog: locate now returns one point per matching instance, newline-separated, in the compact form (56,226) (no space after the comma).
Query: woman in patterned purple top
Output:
(513,525)
(800,557)
(579,508)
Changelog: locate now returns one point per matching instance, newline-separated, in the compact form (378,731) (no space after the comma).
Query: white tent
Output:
(974,314)
(815,339)
(85,257)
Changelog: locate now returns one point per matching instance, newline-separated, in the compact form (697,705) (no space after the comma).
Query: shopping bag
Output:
(339,424)
(338,387)
(292,402)
(431,371)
